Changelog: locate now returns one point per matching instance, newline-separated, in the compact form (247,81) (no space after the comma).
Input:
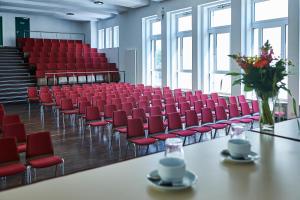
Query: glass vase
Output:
(267,117)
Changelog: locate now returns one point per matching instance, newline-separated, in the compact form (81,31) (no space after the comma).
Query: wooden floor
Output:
(79,151)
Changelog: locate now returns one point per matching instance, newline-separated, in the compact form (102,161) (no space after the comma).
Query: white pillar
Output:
(236,35)
(164,51)
(293,55)
(196,52)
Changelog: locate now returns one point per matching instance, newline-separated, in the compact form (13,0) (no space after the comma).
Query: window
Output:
(108,37)
(219,49)
(116,36)
(152,51)
(101,34)
(269,22)
(183,50)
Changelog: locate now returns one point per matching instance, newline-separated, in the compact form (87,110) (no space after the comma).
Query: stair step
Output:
(9,89)
(19,97)
(11,61)
(13,64)
(17,78)
(14,85)
(14,67)
(15,81)
(13,101)
(13,93)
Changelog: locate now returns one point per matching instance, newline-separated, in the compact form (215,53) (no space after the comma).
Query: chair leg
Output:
(29,109)
(28,171)
(3,182)
(147,150)
(62,166)
(184,140)
(135,151)
(63,116)
(127,149)
(200,137)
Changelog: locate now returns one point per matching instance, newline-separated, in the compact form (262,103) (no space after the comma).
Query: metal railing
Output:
(56,75)
(55,35)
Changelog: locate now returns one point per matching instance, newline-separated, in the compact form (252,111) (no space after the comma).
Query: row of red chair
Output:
(35,60)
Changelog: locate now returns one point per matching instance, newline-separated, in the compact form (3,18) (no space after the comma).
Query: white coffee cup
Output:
(171,169)
(239,148)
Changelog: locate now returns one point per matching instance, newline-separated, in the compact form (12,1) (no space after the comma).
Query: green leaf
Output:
(233,74)
(237,82)
(248,88)
(295,111)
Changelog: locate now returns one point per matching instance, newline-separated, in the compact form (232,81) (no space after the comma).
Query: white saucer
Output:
(250,158)
(189,179)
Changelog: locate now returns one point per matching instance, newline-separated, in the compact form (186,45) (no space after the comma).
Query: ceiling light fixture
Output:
(98,2)
(70,13)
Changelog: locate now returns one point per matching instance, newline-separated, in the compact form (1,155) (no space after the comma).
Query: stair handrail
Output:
(51,32)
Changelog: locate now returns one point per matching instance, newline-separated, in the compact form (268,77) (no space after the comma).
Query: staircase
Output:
(14,76)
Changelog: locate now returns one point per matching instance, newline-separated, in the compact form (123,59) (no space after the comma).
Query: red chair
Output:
(210,103)
(108,112)
(232,100)
(175,126)
(214,96)
(140,113)
(144,105)
(241,99)
(40,153)
(82,111)
(223,102)
(10,119)
(184,107)
(119,121)
(46,101)
(255,107)
(157,128)
(136,135)
(33,97)
(170,108)
(198,105)
(192,123)
(247,113)
(208,120)
(18,132)
(234,115)
(67,108)
(156,111)
(9,159)
(94,119)
(127,107)
(157,102)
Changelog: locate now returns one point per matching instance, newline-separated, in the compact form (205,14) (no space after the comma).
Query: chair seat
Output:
(48,104)
(184,133)
(12,169)
(70,112)
(246,120)
(121,130)
(202,129)
(146,126)
(163,136)
(255,118)
(143,141)
(45,162)
(279,114)
(21,148)
(109,120)
(98,123)
(217,126)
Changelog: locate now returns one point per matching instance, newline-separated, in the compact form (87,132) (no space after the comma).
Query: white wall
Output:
(37,23)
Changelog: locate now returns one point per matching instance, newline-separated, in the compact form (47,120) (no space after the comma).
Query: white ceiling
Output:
(84,10)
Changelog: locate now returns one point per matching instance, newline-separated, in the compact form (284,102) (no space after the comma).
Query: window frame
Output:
(102,39)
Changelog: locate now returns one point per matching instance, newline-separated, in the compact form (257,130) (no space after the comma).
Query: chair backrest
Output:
(232,100)
(32,92)
(92,113)
(39,144)
(222,102)
(10,119)
(174,121)
(156,124)
(184,107)
(245,109)
(204,97)
(145,105)
(66,104)
(117,102)
(46,97)
(170,108)
(198,105)
(198,94)
(214,96)
(191,118)
(255,106)
(193,99)
(157,102)
(210,103)
(108,110)
(188,94)
(8,150)
(155,110)
(207,116)
(127,107)
(181,99)
(100,104)
(82,106)
(16,131)
(220,113)
(139,113)
(170,100)
(119,118)
(135,128)
(233,110)
(241,99)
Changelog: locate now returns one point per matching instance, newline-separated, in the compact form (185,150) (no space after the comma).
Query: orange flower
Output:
(261,63)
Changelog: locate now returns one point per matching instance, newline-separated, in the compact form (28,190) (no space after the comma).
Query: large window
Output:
(269,22)
(182,65)
(108,37)
(153,51)
(219,49)
(116,36)
(101,36)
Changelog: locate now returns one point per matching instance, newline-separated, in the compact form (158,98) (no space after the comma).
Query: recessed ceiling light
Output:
(70,13)
(98,2)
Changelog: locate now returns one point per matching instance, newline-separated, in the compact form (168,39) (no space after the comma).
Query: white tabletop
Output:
(275,176)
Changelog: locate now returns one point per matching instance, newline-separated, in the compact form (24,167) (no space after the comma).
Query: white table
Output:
(275,176)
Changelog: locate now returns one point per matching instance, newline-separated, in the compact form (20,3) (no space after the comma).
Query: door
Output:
(1,32)
(22,27)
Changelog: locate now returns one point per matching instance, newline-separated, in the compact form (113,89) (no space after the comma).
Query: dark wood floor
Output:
(79,151)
